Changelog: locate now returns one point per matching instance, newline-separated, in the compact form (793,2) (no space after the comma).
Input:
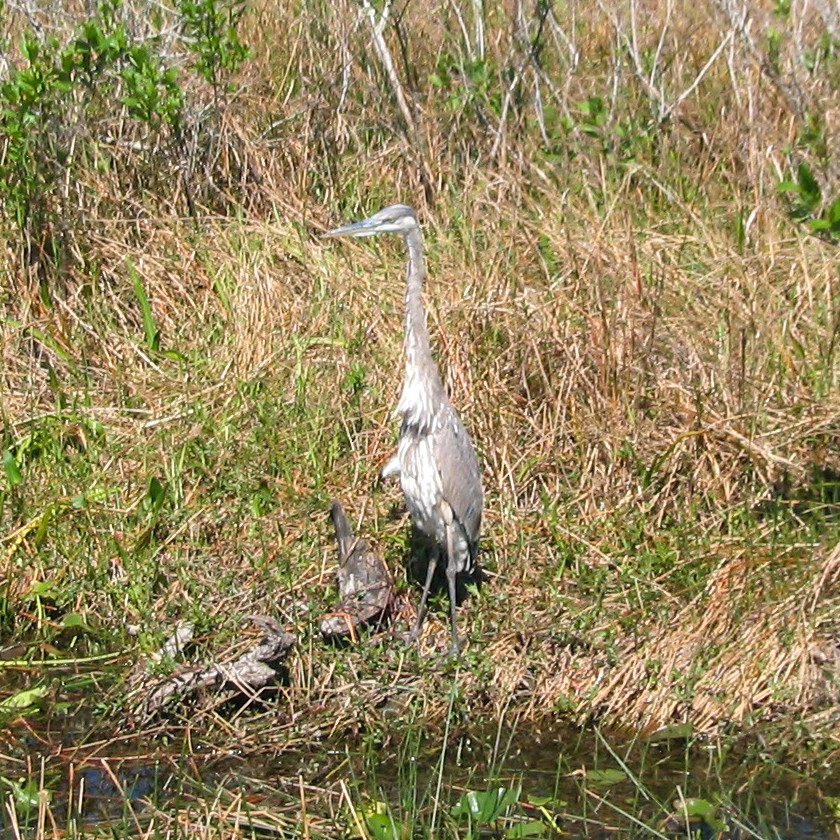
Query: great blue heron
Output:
(435,458)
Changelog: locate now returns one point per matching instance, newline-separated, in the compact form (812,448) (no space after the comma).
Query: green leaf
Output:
(531,828)
(24,793)
(833,214)
(808,186)
(610,776)
(43,589)
(486,806)
(30,49)
(703,810)
(23,699)
(156,493)
(149,326)
(698,808)
(382,826)
(11,468)
(74,620)
(44,526)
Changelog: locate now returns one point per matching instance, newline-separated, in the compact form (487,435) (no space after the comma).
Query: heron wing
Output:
(459,473)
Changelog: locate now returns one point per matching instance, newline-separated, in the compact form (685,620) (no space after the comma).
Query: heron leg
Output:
(451,572)
(421,612)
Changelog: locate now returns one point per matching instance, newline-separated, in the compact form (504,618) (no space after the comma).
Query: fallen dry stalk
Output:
(247,675)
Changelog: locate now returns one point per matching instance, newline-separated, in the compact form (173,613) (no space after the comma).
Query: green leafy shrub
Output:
(58,116)
(53,108)
(807,203)
(213,38)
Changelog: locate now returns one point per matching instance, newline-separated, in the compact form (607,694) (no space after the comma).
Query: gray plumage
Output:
(435,459)
(343,533)
(364,585)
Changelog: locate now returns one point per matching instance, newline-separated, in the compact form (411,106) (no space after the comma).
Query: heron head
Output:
(398,218)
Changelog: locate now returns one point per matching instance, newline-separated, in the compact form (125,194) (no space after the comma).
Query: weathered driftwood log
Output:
(246,675)
(365,588)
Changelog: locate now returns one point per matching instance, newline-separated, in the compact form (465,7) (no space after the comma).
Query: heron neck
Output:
(422,381)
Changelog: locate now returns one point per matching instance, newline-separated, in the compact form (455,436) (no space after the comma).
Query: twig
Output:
(413,134)
(648,80)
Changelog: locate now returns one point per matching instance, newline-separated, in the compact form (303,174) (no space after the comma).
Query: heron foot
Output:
(409,637)
(455,647)
(412,637)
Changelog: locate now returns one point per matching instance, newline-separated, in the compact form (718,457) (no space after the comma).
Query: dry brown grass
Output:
(635,370)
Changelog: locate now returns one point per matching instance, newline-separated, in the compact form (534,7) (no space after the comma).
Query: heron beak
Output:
(366,227)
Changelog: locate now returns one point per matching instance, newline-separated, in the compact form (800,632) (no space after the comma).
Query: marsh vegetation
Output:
(631,213)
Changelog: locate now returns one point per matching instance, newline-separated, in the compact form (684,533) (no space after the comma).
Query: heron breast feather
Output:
(421,486)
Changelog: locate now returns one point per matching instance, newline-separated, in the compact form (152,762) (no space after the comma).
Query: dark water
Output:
(558,781)
(594,784)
